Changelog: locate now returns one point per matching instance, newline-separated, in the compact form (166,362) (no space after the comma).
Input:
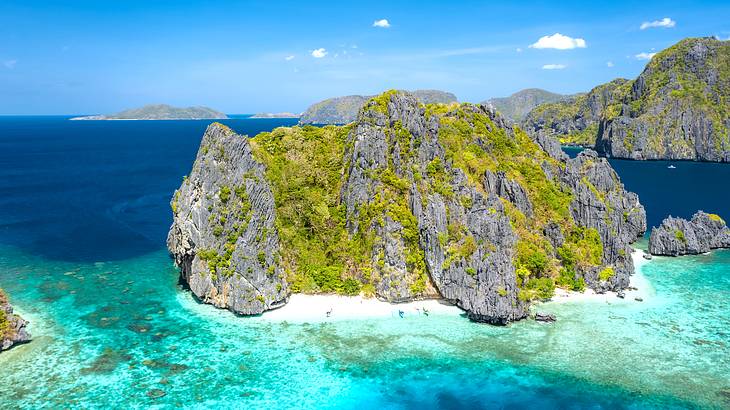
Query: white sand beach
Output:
(314,308)
(643,291)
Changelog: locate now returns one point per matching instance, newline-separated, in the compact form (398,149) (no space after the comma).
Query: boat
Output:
(671,167)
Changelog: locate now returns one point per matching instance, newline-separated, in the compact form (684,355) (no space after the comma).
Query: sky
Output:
(92,57)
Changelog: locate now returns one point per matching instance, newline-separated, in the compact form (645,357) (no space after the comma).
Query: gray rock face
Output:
(677,108)
(13,329)
(430,228)
(508,189)
(223,236)
(677,236)
(574,119)
(600,202)
(483,282)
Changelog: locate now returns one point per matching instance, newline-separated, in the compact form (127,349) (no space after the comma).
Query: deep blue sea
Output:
(84,212)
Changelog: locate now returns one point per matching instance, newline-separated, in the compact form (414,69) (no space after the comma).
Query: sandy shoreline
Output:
(643,291)
(314,308)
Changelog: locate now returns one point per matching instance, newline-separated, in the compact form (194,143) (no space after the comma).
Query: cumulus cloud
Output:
(383,23)
(553,67)
(666,22)
(644,56)
(559,42)
(319,53)
(519,50)
(609,64)
(10,64)
(289,58)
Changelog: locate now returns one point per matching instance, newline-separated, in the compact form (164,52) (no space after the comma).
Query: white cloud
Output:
(553,67)
(666,22)
(289,58)
(559,42)
(10,64)
(644,56)
(609,64)
(383,23)
(519,50)
(319,53)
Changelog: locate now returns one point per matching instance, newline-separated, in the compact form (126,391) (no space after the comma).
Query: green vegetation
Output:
(4,319)
(680,236)
(716,218)
(305,168)
(606,274)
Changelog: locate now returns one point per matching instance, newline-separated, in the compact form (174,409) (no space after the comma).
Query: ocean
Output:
(84,212)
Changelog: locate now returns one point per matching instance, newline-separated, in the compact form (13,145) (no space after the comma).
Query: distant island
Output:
(678,108)
(343,110)
(161,112)
(516,106)
(275,115)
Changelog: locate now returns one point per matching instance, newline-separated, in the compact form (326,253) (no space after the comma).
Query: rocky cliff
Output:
(677,236)
(410,201)
(518,105)
(223,237)
(678,108)
(574,120)
(343,110)
(13,329)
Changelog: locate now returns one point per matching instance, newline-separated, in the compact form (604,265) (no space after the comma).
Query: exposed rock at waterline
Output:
(13,329)
(677,236)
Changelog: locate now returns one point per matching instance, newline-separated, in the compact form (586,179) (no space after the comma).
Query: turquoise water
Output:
(82,225)
(122,333)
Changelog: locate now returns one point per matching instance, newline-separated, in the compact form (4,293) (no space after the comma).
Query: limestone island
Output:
(13,329)
(409,202)
(677,236)
(518,105)
(678,108)
(343,110)
(161,112)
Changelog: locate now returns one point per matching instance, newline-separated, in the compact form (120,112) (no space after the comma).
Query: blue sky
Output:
(87,57)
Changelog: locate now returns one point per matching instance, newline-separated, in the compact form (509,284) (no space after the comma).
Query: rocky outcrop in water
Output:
(677,236)
(343,110)
(223,237)
(408,202)
(13,329)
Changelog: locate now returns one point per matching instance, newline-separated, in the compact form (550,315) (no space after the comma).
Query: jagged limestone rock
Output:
(13,328)
(677,236)
(223,236)
(410,201)
(677,109)
(600,202)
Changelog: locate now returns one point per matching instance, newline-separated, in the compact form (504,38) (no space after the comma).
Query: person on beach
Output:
(400,313)
(329,312)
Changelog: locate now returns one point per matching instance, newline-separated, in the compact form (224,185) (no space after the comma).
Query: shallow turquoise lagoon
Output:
(115,334)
